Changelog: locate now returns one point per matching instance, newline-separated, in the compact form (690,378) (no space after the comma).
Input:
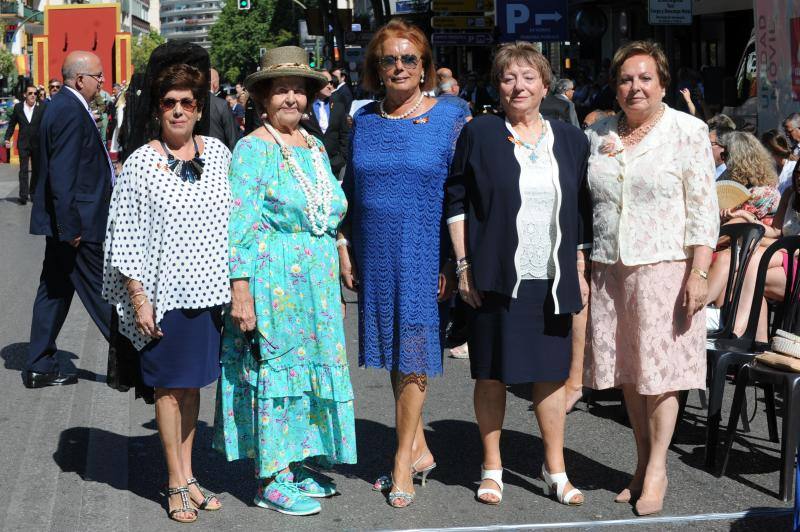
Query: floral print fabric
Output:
(297,402)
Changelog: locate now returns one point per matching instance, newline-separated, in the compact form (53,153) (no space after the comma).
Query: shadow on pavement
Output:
(15,358)
(146,471)
(767,519)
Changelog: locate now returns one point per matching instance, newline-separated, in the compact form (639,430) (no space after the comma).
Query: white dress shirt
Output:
(657,200)
(720,170)
(28,111)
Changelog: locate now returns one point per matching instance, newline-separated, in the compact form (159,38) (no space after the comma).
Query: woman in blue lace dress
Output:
(284,397)
(401,150)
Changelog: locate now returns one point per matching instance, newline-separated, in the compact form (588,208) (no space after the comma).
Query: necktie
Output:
(322,115)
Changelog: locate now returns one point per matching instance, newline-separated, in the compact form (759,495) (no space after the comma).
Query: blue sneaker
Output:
(310,486)
(282,495)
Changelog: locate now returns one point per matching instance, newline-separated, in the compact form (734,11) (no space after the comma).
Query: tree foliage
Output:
(8,66)
(143,47)
(237,35)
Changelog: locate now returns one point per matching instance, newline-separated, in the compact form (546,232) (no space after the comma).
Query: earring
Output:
(422,79)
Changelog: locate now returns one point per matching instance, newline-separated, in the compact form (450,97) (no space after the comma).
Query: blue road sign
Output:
(532,20)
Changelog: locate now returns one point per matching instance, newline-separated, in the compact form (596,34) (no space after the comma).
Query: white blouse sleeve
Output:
(702,209)
(126,234)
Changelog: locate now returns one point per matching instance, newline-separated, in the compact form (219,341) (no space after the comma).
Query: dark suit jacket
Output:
(483,187)
(222,126)
(553,108)
(28,138)
(74,188)
(336,138)
(344,96)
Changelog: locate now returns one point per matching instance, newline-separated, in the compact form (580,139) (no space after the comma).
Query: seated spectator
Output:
(785,160)
(716,136)
(751,165)
(594,116)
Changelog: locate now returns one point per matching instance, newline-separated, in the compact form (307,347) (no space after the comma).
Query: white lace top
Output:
(169,234)
(536,219)
(652,202)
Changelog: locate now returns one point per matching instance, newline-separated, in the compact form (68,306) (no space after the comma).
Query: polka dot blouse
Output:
(169,234)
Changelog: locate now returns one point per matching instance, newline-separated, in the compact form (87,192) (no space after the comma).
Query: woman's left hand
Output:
(447,281)
(694,294)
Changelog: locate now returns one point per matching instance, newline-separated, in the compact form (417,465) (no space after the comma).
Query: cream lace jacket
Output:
(657,200)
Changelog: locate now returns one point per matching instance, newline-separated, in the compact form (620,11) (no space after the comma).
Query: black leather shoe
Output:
(32,379)
(22,201)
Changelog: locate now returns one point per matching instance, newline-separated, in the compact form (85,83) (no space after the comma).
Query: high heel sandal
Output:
(206,498)
(183,491)
(495,475)
(384,482)
(556,484)
(422,474)
(398,495)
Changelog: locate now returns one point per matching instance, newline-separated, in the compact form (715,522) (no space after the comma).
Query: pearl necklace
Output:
(632,137)
(319,195)
(408,113)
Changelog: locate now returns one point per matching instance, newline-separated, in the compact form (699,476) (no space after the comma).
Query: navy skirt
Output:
(520,340)
(187,356)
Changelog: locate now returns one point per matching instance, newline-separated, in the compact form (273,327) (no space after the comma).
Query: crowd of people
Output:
(578,258)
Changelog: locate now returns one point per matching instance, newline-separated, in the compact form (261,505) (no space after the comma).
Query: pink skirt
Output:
(638,330)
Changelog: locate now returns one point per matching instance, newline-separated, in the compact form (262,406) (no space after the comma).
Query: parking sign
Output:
(532,20)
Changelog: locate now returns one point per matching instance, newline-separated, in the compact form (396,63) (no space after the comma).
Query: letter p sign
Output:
(516,14)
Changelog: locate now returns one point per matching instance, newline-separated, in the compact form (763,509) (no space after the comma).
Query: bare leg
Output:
(662,414)
(718,277)
(190,408)
(410,391)
(636,405)
(549,404)
(419,449)
(748,289)
(574,384)
(490,410)
(169,422)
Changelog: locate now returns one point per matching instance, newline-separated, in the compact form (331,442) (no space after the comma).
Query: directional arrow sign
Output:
(532,20)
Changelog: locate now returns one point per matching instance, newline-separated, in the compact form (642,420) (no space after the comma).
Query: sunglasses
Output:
(408,60)
(187,104)
(55,87)
(30,93)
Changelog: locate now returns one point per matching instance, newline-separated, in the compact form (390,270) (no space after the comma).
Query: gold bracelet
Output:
(701,273)
(140,305)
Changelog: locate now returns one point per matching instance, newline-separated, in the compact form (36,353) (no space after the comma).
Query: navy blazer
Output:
(483,188)
(74,188)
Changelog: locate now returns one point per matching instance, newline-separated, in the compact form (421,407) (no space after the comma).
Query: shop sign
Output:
(669,13)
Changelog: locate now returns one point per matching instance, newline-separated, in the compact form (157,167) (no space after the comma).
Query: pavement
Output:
(86,457)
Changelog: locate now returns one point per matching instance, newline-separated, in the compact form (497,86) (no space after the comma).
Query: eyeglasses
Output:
(97,77)
(55,87)
(717,144)
(30,94)
(408,60)
(187,104)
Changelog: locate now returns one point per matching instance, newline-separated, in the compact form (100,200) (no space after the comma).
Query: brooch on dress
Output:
(423,120)
(609,148)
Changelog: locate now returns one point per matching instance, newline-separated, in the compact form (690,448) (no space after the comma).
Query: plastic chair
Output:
(787,318)
(724,349)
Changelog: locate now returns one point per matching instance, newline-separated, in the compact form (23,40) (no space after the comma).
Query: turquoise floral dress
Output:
(297,402)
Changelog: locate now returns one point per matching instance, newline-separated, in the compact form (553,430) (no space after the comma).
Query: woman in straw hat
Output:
(285,396)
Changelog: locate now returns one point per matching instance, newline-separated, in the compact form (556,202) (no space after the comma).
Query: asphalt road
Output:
(86,457)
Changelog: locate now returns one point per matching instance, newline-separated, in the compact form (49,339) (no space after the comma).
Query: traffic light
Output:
(312,60)
(244,5)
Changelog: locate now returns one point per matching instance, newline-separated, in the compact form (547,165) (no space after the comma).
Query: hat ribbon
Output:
(281,66)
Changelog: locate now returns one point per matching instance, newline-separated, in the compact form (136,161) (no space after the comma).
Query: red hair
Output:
(403,30)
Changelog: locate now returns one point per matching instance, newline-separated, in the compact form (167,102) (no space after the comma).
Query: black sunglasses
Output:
(408,60)
(55,87)
(187,104)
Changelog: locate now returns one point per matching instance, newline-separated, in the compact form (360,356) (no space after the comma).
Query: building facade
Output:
(189,20)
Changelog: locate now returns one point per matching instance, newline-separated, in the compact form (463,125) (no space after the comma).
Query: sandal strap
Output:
(495,475)
(206,498)
(567,499)
(183,491)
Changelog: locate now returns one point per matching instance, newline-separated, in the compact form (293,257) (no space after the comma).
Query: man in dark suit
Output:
(326,119)
(26,114)
(70,208)
(341,91)
(222,125)
(554,108)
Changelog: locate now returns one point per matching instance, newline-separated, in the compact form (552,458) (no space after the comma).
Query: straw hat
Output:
(286,61)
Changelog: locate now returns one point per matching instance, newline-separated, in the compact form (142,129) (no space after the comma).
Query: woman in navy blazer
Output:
(519,217)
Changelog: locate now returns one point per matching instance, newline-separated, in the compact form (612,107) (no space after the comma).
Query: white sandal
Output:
(495,475)
(559,480)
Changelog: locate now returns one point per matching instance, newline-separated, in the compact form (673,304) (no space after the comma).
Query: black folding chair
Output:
(724,349)
(787,318)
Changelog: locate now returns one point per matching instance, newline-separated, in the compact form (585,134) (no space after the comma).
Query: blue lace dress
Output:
(395,189)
